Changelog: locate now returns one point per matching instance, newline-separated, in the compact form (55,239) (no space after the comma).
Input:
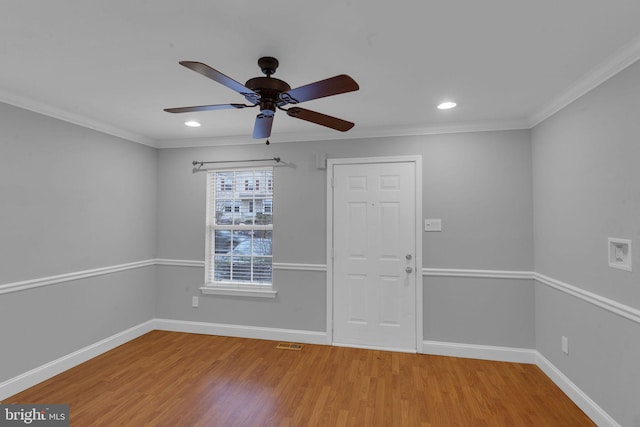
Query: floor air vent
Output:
(289,346)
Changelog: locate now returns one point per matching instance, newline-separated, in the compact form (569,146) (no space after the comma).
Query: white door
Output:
(374,245)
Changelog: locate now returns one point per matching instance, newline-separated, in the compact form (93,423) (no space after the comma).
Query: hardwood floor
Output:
(175,379)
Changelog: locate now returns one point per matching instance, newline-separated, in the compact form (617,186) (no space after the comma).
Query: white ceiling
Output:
(112,65)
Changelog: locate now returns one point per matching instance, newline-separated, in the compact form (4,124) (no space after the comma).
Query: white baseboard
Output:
(484,352)
(584,402)
(520,355)
(53,368)
(240,331)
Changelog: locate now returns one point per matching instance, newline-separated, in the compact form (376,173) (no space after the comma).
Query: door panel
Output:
(373,231)
(357,308)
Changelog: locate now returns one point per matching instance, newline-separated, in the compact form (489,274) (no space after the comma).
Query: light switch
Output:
(433,224)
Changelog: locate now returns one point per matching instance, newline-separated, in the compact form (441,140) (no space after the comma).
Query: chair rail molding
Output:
(68,277)
(610,305)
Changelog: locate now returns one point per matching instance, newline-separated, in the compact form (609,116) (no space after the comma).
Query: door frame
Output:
(417,160)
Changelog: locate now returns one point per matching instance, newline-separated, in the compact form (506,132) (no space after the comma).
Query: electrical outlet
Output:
(565,345)
(194,301)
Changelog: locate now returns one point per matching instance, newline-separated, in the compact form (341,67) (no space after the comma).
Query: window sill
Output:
(240,290)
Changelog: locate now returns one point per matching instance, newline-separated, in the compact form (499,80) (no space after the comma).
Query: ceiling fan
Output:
(270,94)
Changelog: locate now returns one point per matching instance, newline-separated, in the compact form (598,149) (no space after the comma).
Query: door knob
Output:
(408,270)
(408,257)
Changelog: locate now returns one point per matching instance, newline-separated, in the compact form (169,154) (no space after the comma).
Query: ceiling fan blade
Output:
(217,76)
(331,86)
(262,128)
(320,119)
(205,108)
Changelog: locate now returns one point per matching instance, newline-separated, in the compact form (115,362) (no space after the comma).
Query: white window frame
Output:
(212,287)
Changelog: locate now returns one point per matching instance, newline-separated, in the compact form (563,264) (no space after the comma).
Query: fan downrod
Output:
(268,65)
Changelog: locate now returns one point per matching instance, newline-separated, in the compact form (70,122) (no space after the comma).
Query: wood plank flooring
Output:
(175,379)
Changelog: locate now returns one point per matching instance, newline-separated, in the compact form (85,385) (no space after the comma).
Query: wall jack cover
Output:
(620,253)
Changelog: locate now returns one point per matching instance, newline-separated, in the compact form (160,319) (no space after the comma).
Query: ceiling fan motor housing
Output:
(269,89)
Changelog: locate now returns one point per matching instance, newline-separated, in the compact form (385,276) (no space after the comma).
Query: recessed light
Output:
(446,105)
(192,124)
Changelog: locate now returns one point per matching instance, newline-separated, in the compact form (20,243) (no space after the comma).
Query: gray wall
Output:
(482,311)
(586,188)
(71,199)
(478,183)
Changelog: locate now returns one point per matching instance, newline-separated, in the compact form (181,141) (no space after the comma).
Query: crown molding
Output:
(76,119)
(614,64)
(356,133)
(621,59)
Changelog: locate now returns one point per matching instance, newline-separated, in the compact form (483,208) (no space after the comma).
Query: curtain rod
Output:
(200,164)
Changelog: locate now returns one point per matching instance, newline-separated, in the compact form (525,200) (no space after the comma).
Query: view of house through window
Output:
(239,226)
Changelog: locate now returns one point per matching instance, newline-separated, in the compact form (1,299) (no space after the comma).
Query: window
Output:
(239,230)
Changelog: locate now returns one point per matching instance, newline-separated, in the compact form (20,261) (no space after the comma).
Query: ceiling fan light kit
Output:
(270,94)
